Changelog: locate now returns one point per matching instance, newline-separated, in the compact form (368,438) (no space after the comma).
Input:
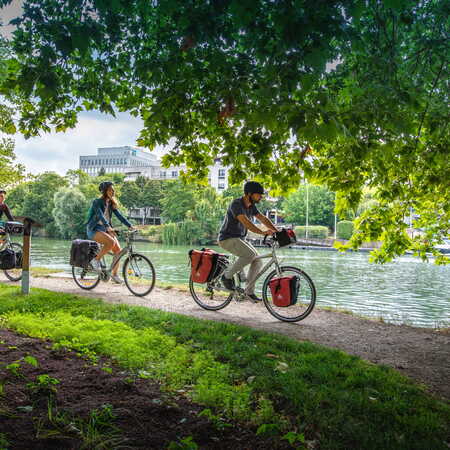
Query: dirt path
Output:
(421,354)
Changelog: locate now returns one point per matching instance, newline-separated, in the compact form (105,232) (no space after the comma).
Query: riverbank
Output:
(421,354)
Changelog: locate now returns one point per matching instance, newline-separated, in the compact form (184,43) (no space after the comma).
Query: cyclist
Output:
(4,207)
(233,231)
(99,226)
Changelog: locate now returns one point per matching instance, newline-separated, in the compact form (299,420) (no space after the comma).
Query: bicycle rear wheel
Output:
(16,273)
(305,301)
(211,295)
(139,274)
(84,278)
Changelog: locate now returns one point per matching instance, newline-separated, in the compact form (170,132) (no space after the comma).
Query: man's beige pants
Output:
(246,255)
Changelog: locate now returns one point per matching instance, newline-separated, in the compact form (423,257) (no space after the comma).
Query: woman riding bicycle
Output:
(233,231)
(99,227)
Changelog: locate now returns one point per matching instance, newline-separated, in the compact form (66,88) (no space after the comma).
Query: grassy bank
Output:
(280,386)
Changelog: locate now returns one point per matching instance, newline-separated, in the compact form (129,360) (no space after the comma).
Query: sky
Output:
(60,152)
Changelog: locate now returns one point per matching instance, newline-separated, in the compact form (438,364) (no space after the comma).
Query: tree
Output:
(247,81)
(39,199)
(10,172)
(142,192)
(178,200)
(320,206)
(70,213)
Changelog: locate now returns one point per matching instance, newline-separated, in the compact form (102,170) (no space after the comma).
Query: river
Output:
(405,291)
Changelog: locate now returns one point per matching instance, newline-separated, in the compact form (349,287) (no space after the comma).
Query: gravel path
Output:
(421,354)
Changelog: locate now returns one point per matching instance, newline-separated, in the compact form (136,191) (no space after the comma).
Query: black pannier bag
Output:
(285,237)
(7,259)
(14,227)
(82,252)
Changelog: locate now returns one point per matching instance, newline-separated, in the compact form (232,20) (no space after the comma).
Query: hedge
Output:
(314,231)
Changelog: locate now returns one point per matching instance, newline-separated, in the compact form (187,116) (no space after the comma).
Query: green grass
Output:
(337,399)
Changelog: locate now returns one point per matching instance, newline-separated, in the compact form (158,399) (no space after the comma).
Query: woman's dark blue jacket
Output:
(96,213)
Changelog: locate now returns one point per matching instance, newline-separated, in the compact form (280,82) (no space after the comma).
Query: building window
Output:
(221,173)
(174,173)
(162,174)
(221,186)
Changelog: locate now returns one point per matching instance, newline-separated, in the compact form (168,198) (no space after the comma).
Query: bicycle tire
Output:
(9,273)
(79,284)
(127,278)
(277,311)
(195,288)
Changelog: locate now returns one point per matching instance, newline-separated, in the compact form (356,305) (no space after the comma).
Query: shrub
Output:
(153,232)
(344,229)
(314,231)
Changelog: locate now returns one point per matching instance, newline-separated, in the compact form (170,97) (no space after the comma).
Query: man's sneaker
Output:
(228,283)
(254,298)
(116,279)
(96,266)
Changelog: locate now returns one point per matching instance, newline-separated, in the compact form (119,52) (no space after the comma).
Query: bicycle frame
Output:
(128,249)
(273,261)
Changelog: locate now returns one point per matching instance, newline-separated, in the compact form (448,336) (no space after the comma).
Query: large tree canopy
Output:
(247,81)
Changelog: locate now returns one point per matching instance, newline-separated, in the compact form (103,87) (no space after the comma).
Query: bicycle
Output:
(6,243)
(214,296)
(138,271)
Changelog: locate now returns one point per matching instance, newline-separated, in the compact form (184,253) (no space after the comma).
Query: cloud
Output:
(7,13)
(60,152)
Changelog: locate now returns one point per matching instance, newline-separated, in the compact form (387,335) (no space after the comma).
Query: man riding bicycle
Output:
(4,209)
(237,222)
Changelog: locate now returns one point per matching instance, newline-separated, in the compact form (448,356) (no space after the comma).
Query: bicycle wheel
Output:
(16,273)
(305,301)
(211,295)
(85,279)
(138,274)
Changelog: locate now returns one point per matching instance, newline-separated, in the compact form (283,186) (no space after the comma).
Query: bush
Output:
(182,233)
(153,232)
(344,229)
(314,231)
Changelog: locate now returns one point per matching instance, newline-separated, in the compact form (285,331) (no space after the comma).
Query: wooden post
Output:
(27,224)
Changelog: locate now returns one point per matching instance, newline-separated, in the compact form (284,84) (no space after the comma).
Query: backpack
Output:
(285,290)
(7,259)
(14,227)
(285,237)
(206,264)
(82,252)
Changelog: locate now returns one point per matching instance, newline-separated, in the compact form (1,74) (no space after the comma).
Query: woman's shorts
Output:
(91,231)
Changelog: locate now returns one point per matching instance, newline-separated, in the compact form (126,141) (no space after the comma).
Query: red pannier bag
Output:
(285,290)
(203,264)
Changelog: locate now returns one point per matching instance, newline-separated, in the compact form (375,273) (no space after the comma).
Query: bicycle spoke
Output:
(305,301)
(139,274)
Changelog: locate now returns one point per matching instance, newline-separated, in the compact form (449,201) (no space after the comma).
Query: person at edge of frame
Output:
(234,228)
(4,209)
(99,227)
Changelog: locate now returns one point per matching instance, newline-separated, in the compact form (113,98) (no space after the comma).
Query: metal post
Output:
(26,255)
(307,210)
(335,218)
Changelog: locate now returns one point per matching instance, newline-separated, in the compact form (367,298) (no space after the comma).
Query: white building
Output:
(134,162)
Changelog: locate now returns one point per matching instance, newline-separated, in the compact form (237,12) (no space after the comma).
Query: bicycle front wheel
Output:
(139,274)
(211,295)
(84,278)
(305,301)
(16,273)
